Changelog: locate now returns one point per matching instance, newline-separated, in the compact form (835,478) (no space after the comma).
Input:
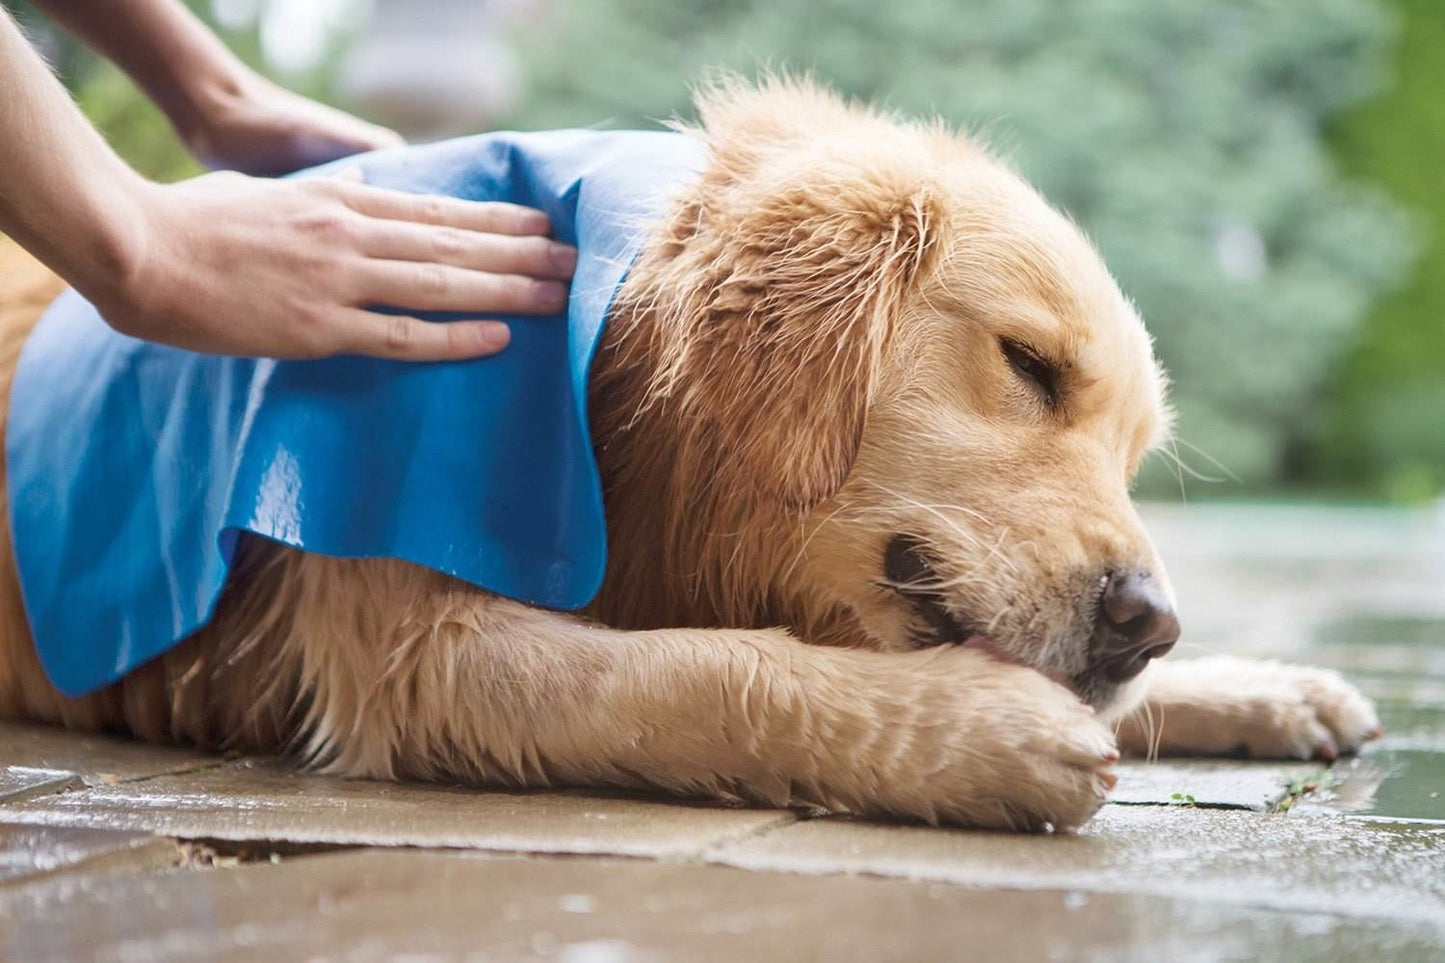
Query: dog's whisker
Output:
(1178,471)
(941,516)
(1156,731)
(1208,457)
(1184,467)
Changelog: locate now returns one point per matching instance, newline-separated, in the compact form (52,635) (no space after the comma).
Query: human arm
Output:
(232,265)
(226,114)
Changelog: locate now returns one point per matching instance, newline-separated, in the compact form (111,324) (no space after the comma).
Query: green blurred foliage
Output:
(137,130)
(1186,137)
(1382,430)
(134,126)
(1228,157)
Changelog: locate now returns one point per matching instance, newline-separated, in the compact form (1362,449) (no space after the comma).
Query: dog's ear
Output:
(808,262)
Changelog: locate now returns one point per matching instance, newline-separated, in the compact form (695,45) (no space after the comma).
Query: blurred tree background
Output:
(1381,427)
(1262,175)
(1190,139)
(138,131)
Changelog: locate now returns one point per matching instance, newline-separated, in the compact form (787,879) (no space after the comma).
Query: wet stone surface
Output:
(1364,629)
(93,760)
(28,853)
(1209,783)
(24,782)
(380,905)
(261,801)
(1315,865)
(89,826)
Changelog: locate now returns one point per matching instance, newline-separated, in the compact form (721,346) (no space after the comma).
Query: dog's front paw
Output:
(1224,705)
(1019,752)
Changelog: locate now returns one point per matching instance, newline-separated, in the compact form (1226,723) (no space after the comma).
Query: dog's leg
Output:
(1227,706)
(945,735)
(469,686)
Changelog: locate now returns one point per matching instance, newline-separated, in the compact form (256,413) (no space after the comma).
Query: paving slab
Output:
(1209,783)
(24,782)
(27,852)
(398,904)
(267,802)
(1315,865)
(94,759)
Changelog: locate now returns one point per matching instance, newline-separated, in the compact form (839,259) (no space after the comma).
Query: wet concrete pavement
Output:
(115,851)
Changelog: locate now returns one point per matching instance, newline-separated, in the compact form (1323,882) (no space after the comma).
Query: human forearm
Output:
(64,194)
(161,45)
(226,114)
(239,265)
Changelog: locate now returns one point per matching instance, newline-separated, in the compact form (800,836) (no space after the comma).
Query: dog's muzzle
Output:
(911,574)
(1136,623)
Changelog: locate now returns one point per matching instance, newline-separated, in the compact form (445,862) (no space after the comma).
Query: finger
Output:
(533,256)
(418,286)
(402,338)
(346,129)
(380,138)
(492,217)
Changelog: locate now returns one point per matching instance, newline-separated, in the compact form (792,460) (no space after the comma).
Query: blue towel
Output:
(134,468)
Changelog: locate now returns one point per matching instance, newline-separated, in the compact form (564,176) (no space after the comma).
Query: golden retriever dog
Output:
(867,411)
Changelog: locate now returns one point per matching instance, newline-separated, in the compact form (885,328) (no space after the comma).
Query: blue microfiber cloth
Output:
(133,468)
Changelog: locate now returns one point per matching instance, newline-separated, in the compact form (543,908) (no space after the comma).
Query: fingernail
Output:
(551,295)
(563,258)
(493,335)
(1109,779)
(352,173)
(1111,756)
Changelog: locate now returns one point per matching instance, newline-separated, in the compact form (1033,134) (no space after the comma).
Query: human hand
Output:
(229,264)
(256,127)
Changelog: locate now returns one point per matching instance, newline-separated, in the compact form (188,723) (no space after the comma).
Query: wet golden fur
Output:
(804,362)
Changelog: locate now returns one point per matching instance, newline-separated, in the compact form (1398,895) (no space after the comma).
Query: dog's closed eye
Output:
(1034,370)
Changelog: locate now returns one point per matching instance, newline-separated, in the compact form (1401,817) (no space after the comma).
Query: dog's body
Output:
(866,411)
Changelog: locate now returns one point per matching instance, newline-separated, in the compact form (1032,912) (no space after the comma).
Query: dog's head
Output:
(889,345)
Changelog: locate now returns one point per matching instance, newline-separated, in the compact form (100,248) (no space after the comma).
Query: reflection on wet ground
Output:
(1403,775)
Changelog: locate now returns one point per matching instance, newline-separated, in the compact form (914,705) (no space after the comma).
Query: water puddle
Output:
(1399,660)
(1402,776)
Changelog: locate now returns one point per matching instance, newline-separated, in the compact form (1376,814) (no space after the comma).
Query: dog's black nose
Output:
(1137,623)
